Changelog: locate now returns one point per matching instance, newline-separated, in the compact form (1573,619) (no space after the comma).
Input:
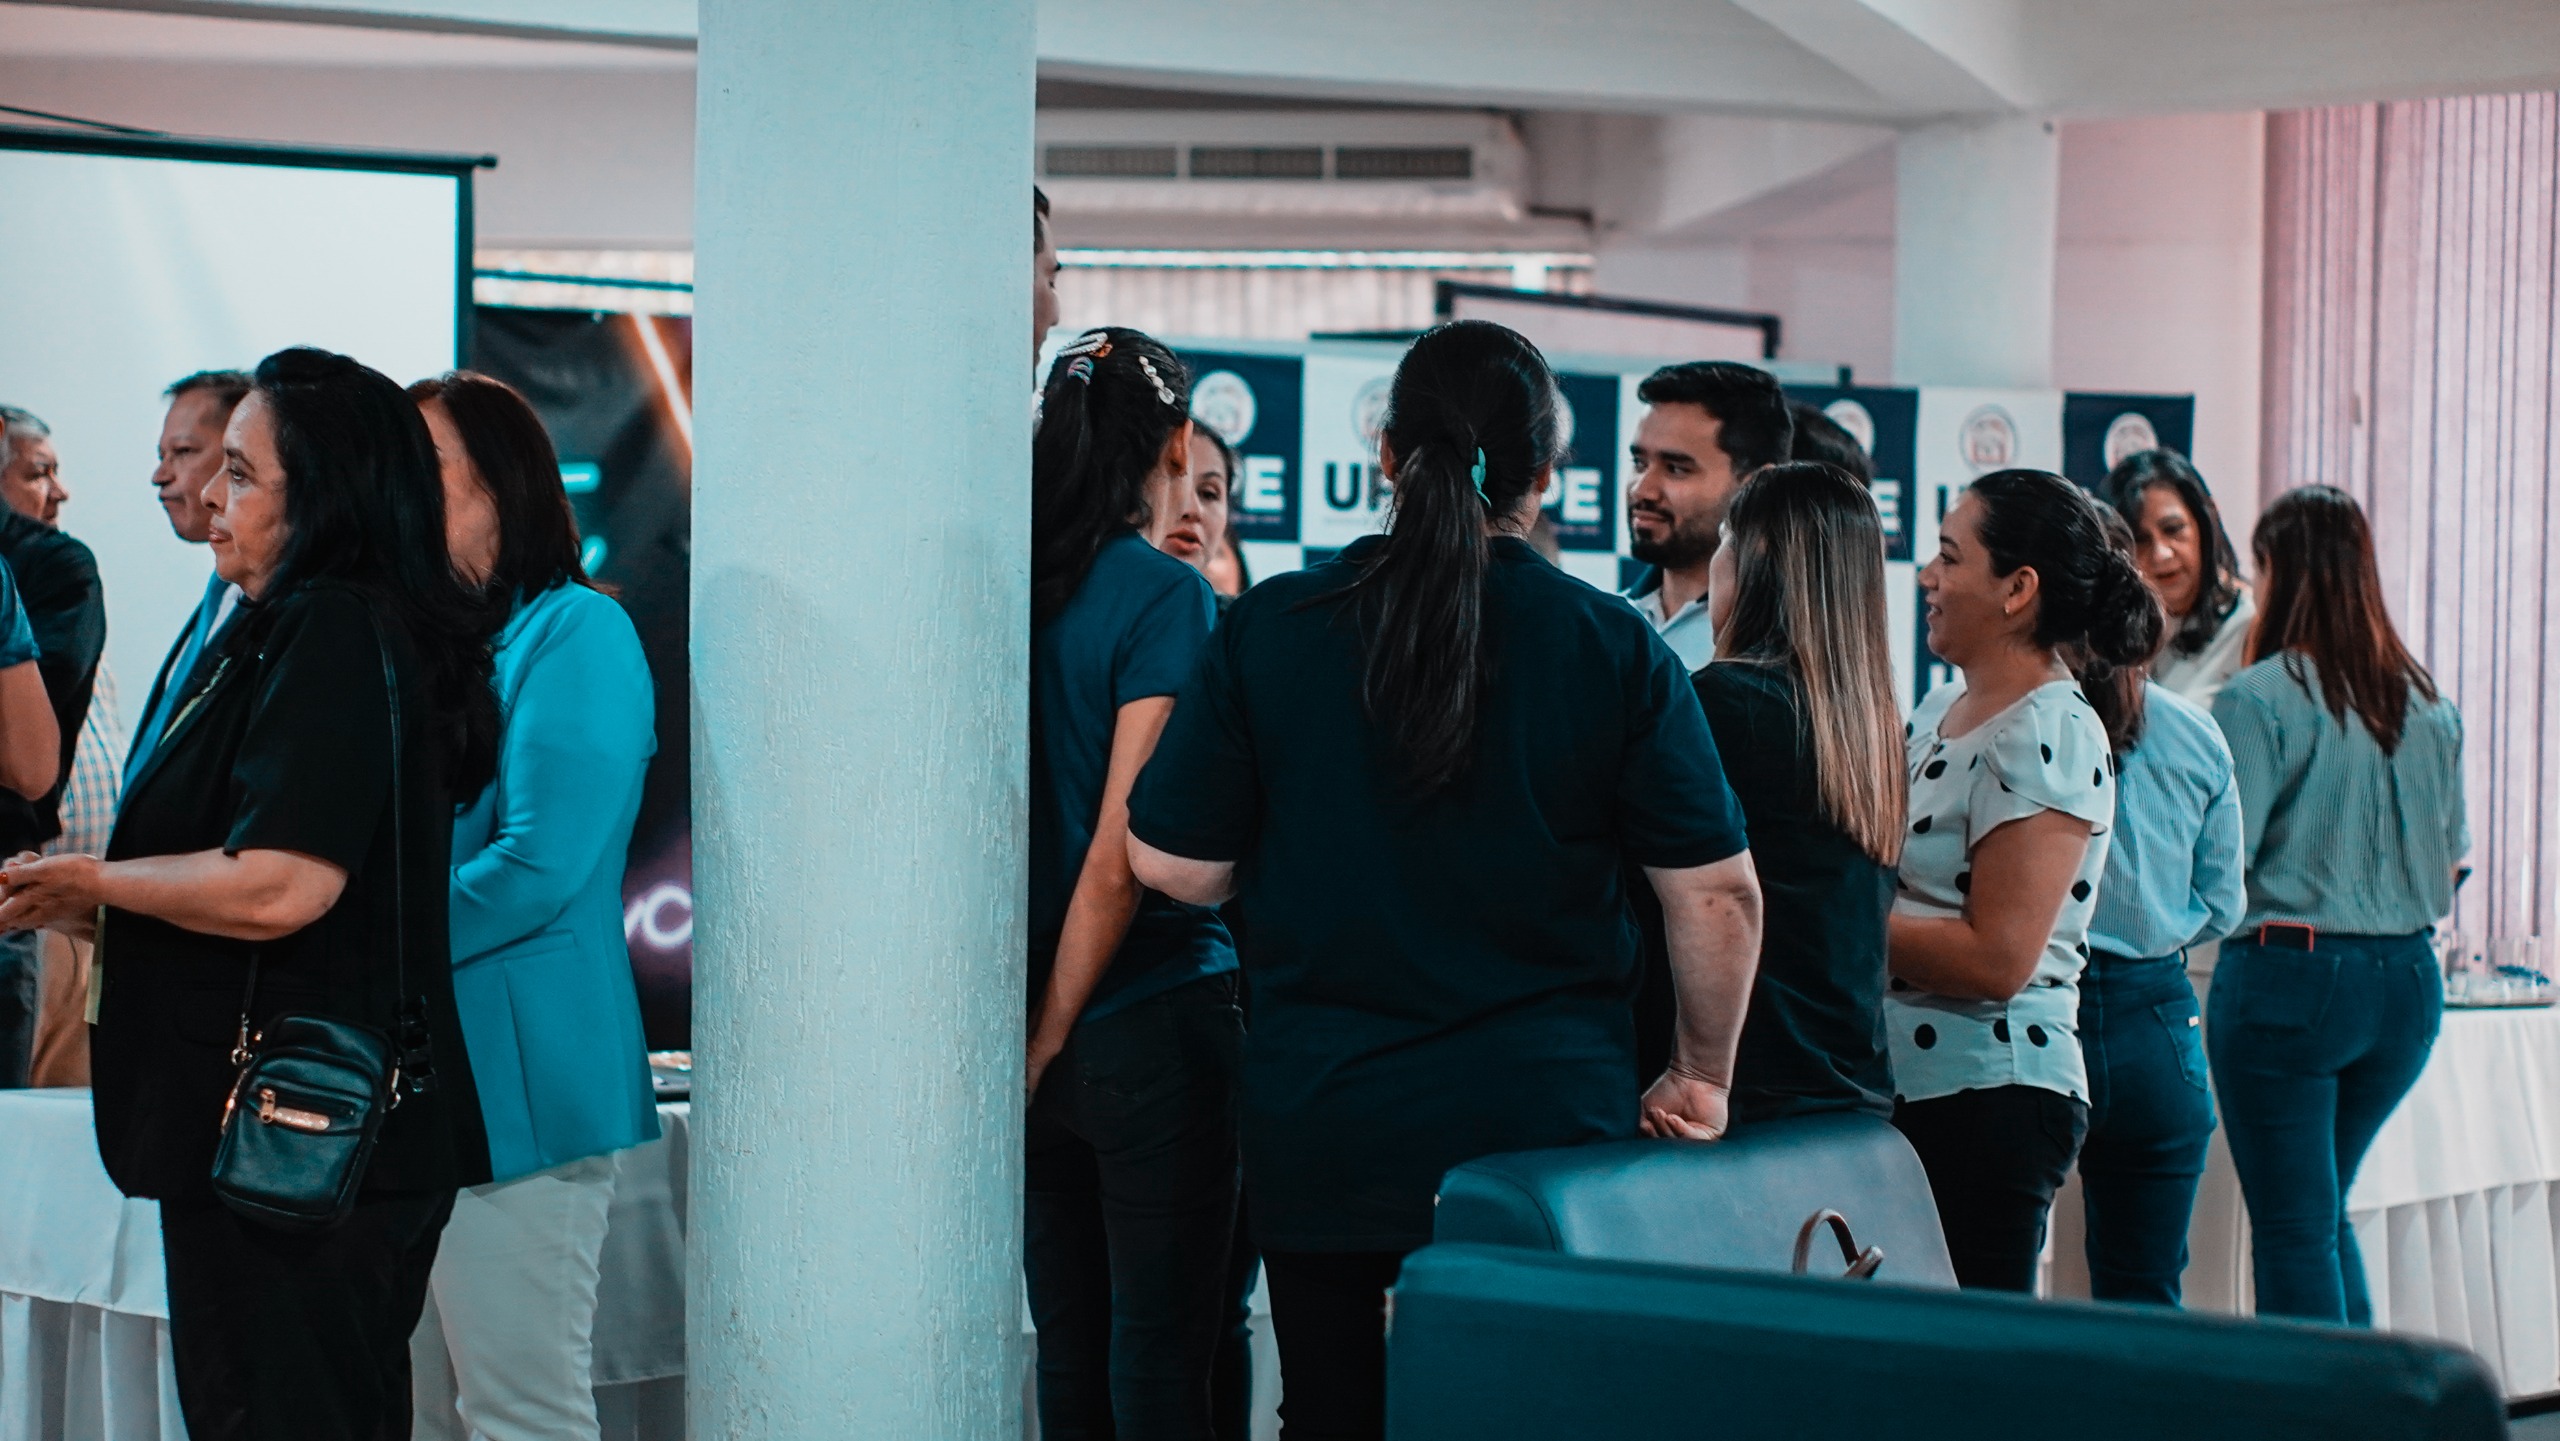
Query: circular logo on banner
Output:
(1224,403)
(2129,434)
(1369,410)
(1852,417)
(1989,440)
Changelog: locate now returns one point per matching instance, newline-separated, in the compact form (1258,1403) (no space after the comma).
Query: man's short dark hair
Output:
(229,387)
(1819,437)
(1751,411)
(1039,216)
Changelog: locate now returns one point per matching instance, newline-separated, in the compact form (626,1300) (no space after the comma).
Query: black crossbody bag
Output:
(312,1092)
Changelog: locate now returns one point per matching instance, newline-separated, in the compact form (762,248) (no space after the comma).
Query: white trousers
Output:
(504,1350)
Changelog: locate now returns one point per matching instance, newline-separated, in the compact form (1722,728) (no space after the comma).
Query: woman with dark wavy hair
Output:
(269,837)
(2326,1003)
(1422,767)
(2181,548)
(1130,1147)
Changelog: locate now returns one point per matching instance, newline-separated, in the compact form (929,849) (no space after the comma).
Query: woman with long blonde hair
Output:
(1800,697)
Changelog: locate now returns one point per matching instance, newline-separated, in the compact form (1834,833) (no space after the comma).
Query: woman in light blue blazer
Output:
(541,976)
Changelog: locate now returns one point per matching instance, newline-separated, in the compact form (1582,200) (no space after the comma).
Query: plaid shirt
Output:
(97,776)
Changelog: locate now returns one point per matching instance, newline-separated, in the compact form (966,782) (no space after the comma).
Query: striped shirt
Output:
(2173,863)
(2337,833)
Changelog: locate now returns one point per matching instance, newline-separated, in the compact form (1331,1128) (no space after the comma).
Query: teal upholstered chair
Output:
(1743,1203)
(1494,1343)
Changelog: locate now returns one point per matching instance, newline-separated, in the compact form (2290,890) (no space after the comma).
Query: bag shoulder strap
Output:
(399,815)
(421,1077)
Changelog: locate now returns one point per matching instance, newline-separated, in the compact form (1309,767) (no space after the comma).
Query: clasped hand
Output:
(51,893)
(1684,1106)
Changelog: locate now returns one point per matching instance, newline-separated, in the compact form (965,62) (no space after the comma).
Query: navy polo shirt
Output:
(1134,629)
(1435,979)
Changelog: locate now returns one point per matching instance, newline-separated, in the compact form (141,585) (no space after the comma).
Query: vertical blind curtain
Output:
(2410,325)
(1264,303)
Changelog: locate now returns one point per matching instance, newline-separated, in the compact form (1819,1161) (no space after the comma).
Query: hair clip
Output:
(1095,343)
(1475,473)
(1164,392)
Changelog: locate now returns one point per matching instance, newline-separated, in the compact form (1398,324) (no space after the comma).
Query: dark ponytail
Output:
(1114,399)
(2093,608)
(1470,398)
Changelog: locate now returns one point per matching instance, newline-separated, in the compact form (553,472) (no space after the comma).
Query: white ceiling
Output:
(1894,61)
(67,32)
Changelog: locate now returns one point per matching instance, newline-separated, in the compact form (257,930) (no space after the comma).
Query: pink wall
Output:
(589,157)
(2156,285)
(2157,271)
(2411,316)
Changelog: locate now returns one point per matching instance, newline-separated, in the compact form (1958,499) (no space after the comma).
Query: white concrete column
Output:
(860,654)
(1974,208)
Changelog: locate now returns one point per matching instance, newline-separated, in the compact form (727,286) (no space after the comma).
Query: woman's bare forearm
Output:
(1947,956)
(251,896)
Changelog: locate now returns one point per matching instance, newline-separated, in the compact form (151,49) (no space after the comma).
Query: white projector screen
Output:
(125,265)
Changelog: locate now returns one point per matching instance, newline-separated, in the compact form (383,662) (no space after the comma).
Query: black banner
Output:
(616,394)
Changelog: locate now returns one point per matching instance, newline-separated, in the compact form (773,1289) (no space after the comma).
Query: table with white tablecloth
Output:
(84,1335)
(2453,1207)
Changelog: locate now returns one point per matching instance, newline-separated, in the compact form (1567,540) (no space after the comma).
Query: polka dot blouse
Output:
(2046,752)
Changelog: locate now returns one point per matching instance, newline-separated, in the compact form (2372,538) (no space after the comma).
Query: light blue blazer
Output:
(541,974)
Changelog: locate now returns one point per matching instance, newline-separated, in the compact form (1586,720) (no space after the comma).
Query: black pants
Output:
(1329,1310)
(1995,1158)
(1231,1375)
(298,1336)
(1129,1216)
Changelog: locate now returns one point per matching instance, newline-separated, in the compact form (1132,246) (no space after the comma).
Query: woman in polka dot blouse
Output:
(2012,795)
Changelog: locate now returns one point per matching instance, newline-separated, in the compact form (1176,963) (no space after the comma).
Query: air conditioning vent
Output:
(1112,162)
(1404,162)
(1257,162)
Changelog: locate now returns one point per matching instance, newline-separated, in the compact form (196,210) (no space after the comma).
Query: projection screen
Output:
(128,262)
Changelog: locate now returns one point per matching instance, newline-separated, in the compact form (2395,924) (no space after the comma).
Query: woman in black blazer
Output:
(263,826)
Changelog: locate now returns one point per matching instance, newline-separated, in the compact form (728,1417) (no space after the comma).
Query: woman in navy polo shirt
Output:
(1420,767)
(1131,1144)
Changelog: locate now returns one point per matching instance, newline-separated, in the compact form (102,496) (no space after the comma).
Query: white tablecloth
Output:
(83,1309)
(2454,1206)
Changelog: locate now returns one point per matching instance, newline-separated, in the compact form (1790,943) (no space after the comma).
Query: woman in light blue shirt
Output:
(549,1009)
(2326,1004)
(2172,881)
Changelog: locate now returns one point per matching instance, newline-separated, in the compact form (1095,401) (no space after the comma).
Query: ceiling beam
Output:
(658,24)
(1923,57)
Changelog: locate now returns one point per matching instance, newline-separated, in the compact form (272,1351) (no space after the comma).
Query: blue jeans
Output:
(2150,1122)
(2311,1051)
(1129,1216)
(21,990)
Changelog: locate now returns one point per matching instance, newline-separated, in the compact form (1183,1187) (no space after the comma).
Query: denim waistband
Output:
(2326,940)
(2110,960)
(2114,980)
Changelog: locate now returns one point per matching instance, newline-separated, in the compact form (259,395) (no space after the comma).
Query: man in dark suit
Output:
(58,582)
(190,455)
